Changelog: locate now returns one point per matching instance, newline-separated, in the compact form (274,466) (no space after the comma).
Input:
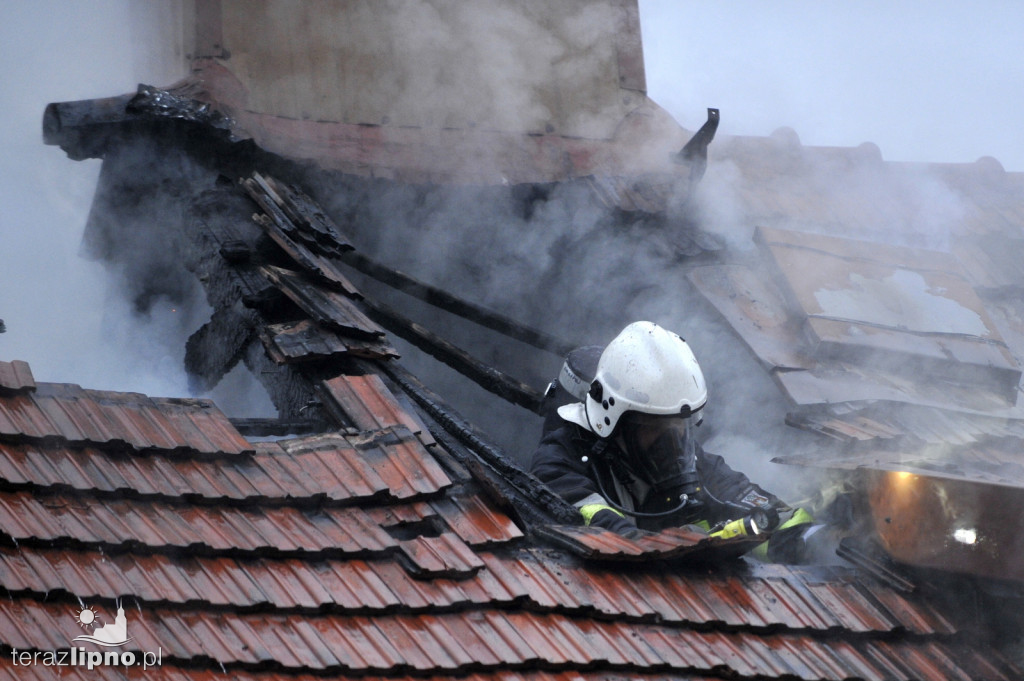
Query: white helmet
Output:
(645,369)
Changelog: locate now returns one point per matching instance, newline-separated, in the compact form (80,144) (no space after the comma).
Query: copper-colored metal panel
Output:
(949,524)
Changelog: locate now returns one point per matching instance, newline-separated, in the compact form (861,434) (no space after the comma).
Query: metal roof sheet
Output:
(64,411)
(873,299)
(920,425)
(756,308)
(994,462)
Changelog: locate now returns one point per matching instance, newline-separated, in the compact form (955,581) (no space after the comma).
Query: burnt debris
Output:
(695,152)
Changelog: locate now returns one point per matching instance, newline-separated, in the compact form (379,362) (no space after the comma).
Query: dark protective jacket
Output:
(570,460)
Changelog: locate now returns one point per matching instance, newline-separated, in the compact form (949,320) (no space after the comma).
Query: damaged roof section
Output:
(396,542)
(375,555)
(841,320)
(406,545)
(884,300)
(878,343)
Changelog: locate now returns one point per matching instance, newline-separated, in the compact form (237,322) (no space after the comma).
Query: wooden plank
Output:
(329,308)
(325,271)
(305,341)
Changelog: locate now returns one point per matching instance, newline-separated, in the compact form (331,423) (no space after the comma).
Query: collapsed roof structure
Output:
(372,530)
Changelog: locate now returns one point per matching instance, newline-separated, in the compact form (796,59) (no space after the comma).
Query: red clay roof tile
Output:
(415,574)
(16,377)
(67,412)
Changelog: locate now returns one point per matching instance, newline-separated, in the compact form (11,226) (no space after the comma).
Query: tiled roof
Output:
(397,543)
(361,555)
(16,376)
(75,415)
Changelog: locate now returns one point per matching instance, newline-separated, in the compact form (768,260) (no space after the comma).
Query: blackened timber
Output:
(82,128)
(218,220)
(323,270)
(300,227)
(213,350)
(305,340)
(527,496)
(449,303)
(296,215)
(305,213)
(486,377)
(329,308)
(235,252)
(269,427)
(290,390)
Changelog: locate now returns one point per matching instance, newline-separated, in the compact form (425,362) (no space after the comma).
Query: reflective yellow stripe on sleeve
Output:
(589,510)
(799,517)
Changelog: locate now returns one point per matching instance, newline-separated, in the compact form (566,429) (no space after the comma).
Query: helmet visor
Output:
(660,450)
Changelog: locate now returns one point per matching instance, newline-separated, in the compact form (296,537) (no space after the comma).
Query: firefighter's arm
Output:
(731,486)
(565,473)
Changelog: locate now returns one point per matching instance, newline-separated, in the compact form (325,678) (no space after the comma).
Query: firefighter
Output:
(625,453)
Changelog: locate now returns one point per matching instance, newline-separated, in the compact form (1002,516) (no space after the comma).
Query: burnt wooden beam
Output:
(214,350)
(457,306)
(83,128)
(329,308)
(289,387)
(297,215)
(302,229)
(307,214)
(269,427)
(306,341)
(486,377)
(517,490)
(319,267)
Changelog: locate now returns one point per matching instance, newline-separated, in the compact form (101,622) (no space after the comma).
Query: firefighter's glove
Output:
(609,519)
(788,541)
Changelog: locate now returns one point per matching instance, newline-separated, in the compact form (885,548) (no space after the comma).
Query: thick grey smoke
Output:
(66,314)
(940,84)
